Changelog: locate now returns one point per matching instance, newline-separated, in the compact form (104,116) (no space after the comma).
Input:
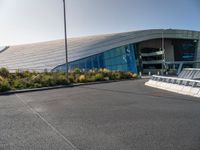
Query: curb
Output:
(60,86)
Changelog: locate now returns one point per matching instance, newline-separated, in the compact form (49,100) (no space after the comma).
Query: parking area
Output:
(113,116)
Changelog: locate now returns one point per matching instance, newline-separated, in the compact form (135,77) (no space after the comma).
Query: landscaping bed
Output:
(28,80)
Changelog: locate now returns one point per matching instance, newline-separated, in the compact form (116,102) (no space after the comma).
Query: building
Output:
(156,50)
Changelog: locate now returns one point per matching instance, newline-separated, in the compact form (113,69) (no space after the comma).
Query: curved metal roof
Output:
(48,55)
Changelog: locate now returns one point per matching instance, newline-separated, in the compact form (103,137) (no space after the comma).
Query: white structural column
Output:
(198,51)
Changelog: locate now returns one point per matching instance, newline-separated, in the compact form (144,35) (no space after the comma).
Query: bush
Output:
(4,85)
(4,72)
(26,79)
(116,75)
(37,85)
(106,70)
(19,84)
(60,79)
(77,71)
(134,76)
(71,79)
(19,74)
(82,78)
(27,74)
(36,78)
(99,77)
(1,78)
(47,80)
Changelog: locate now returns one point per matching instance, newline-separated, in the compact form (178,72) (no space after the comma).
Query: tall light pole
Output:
(66,44)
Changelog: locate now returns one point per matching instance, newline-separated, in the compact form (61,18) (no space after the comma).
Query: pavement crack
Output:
(46,122)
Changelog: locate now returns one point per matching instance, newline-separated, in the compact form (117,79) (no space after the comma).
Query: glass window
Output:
(118,51)
(95,62)
(108,62)
(123,67)
(114,67)
(107,54)
(121,58)
(184,50)
(81,64)
(88,63)
(112,53)
(76,65)
(101,61)
(109,67)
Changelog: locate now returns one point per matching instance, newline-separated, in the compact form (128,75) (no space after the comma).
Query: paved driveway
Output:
(114,116)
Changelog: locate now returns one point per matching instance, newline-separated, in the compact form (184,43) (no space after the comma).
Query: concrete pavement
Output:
(114,116)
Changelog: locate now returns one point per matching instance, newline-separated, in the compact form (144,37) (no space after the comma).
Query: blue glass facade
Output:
(121,59)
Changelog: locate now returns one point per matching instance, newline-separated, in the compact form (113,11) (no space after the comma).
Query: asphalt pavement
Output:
(113,116)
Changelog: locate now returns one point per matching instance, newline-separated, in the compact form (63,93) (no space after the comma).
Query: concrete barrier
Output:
(177,85)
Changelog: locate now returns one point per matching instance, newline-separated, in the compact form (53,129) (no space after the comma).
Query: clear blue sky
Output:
(27,21)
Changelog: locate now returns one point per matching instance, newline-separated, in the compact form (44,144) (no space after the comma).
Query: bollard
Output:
(149,73)
(140,74)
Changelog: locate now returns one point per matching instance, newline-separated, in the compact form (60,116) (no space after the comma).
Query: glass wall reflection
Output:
(117,59)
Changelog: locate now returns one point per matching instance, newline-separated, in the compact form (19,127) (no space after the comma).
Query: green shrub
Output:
(134,76)
(1,78)
(82,78)
(117,75)
(125,75)
(76,77)
(26,74)
(26,79)
(77,71)
(18,74)
(106,70)
(71,78)
(11,77)
(19,84)
(4,72)
(99,77)
(4,85)
(36,78)
(37,85)
(60,79)
(47,80)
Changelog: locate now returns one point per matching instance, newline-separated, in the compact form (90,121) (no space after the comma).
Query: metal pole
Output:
(66,50)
